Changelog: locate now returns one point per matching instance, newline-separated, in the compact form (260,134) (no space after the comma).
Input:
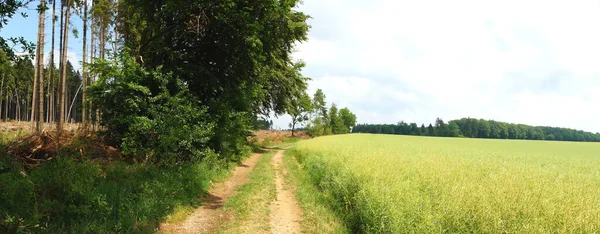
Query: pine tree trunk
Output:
(102,39)
(84,71)
(40,69)
(11,108)
(35,84)
(6,106)
(17,106)
(24,112)
(64,68)
(50,83)
(115,29)
(93,55)
(47,100)
(58,79)
(67,112)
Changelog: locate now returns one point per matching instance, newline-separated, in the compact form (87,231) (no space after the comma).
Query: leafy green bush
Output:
(150,115)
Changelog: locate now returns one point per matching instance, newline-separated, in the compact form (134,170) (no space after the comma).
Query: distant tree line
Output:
(480,128)
(261,123)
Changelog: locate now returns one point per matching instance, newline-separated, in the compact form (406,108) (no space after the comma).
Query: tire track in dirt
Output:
(285,212)
(211,215)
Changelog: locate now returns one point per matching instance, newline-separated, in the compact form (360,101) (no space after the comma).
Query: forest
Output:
(480,128)
(215,67)
(17,85)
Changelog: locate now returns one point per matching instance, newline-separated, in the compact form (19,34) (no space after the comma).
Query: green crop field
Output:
(406,184)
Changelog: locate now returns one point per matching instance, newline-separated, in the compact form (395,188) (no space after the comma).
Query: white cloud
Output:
(533,62)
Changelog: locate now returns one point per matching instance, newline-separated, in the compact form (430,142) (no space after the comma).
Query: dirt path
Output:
(285,212)
(211,215)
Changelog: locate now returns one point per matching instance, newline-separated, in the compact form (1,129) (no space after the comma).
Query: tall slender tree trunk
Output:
(102,39)
(35,84)
(9,107)
(6,106)
(64,67)
(67,112)
(50,83)
(39,69)
(84,71)
(115,29)
(93,55)
(58,79)
(17,106)
(47,106)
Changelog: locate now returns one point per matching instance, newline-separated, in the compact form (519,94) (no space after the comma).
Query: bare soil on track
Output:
(211,215)
(285,212)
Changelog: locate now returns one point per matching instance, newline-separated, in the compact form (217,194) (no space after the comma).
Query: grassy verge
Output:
(70,195)
(252,203)
(318,205)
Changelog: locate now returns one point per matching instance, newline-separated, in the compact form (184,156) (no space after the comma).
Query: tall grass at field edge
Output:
(321,213)
(341,191)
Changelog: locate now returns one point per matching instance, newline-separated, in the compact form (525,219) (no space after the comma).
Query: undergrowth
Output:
(74,195)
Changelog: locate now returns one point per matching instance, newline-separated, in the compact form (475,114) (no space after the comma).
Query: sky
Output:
(532,62)
(527,61)
(27,28)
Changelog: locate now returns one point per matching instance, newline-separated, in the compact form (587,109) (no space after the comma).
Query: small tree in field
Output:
(348,118)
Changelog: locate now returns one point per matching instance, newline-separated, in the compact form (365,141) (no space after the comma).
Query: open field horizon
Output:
(389,183)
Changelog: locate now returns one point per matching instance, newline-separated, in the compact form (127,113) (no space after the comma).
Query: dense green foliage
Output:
(150,125)
(232,57)
(405,184)
(75,195)
(474,128)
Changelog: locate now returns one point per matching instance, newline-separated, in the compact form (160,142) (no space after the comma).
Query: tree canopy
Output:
(231,59)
